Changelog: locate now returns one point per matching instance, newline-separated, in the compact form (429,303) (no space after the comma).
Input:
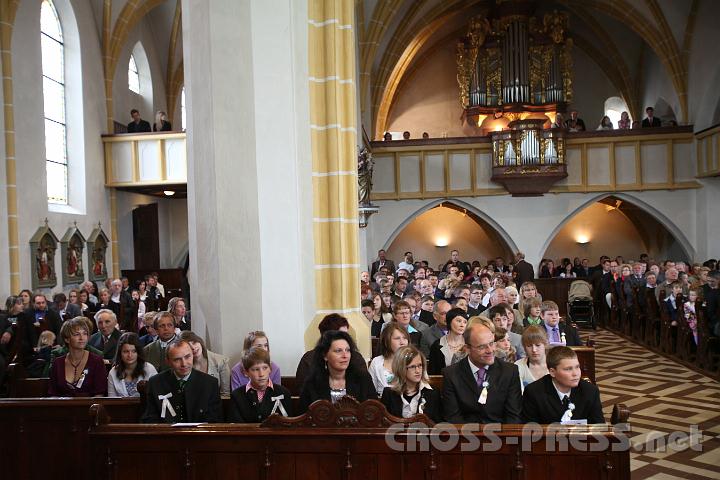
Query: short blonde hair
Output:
(71,326)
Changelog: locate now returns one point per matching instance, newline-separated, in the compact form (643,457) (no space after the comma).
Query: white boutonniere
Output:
(166,405)
(278,405)
(484,393)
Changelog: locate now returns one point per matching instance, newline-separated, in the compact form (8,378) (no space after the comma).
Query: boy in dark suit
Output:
(561,395)
(558,333)
(259,398)
(181,393)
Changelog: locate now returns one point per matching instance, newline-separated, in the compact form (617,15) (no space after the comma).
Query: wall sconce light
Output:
(582,239)
(169,193)
(442,242)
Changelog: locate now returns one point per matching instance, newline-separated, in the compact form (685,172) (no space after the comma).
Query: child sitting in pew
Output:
(258,399)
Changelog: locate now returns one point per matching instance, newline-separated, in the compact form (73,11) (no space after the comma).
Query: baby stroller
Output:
(580,304)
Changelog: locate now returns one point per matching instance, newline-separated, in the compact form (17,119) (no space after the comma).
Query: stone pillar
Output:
(250,191)
(333,116)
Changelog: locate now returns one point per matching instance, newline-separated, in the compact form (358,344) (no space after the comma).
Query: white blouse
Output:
(116,386)
(380,376)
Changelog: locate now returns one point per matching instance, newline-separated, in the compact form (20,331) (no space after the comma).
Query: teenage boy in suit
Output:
(562,395)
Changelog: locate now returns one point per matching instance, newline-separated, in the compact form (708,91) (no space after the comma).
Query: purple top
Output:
(94,384)
(239,379)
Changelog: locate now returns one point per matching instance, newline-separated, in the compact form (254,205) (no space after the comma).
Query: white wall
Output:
(89,106)
(531,225)
(152,81)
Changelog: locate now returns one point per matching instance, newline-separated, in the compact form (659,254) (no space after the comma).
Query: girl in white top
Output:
(209,362)
(130,367)
(533,366)
(392,338)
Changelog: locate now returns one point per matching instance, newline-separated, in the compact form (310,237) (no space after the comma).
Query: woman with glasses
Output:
(333,375)
(410,393)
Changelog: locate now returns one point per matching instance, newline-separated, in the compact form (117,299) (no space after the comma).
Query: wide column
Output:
(333,117)
(250,192)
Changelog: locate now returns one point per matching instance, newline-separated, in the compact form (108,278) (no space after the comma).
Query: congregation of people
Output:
(502,350)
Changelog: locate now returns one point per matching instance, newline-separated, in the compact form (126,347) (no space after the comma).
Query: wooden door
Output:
(146,237)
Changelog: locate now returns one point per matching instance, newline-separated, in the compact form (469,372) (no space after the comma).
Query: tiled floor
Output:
(664,398)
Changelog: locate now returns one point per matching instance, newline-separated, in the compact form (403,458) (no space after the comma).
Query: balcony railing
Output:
(708,152)
(616,161)
(145,159)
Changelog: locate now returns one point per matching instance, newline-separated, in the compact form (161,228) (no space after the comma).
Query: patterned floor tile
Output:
(666,399)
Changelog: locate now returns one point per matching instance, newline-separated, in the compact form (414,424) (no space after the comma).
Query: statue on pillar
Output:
(365,171)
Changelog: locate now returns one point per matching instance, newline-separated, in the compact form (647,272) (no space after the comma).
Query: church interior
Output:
(274,171)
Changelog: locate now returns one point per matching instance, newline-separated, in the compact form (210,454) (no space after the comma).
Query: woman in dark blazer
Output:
(410,393)
(333,375)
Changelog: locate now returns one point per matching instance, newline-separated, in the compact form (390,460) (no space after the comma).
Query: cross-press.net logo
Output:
(444,437)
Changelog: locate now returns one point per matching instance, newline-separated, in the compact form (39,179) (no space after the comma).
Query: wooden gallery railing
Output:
(145,159)
(648,322)
(617,161)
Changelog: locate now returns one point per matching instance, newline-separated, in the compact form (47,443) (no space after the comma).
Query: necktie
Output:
(556,335)
(480,377)
(566,402)
(181,385)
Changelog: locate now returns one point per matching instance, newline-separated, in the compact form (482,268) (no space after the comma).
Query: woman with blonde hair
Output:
(256,338)
(209,362)
(161,122)
(410,393)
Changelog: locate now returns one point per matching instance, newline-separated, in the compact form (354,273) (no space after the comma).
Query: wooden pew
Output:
(348,441)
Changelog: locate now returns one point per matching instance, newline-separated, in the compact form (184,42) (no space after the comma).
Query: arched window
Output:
(133,76)
(53,71)
(182,108)
(614,106)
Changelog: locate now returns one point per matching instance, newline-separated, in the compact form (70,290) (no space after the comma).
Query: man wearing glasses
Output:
(481,388)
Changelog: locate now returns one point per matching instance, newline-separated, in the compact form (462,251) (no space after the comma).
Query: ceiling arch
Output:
(412,36)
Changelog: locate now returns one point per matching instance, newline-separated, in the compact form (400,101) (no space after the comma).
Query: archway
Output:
(613,225)
(443,225)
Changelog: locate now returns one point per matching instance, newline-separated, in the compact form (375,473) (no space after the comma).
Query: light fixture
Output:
(582,239)
(442,242)
(169,193)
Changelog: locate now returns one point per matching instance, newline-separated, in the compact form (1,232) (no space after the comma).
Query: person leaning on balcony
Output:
(574,123)
(605,124)
(161,122)
(651,120)
(624,123)
(138,125)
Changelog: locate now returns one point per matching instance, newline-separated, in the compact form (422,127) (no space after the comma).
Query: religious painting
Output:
(97,244)
(43,245)
(72,246)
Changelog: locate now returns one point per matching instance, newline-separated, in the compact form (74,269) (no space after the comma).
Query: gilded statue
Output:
(555,25)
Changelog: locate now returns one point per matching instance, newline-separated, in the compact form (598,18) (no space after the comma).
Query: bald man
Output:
(481,388)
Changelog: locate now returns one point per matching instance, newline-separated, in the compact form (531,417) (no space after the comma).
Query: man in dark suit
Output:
(558,333)
(525,271)
(181,393)
(574,123)
(438,329)
(107,336)
(561,395)
(481,388)
(382,261)
(456,262)
(651,121)
(583,270)
(64,309)
(138,125)
(32,322)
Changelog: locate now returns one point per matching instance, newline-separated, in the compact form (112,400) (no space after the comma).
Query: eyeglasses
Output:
(485,346)
(414,367)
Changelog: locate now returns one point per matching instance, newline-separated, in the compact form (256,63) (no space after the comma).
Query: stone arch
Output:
(485,220)
(661,218)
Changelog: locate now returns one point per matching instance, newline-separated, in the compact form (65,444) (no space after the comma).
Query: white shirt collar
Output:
(560,394)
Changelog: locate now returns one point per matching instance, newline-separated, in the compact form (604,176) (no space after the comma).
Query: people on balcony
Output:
(624,123)
(651,120)
(605,124)
(575,123)
(138,125)
(161,122)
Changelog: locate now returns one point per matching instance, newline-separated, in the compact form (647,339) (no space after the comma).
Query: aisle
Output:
(664,397)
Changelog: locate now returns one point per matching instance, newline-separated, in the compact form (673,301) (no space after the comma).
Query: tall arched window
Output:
(133,76)
(53,71)
(182,109)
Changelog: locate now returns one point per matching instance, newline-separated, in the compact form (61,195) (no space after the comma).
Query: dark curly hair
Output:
(319,373)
